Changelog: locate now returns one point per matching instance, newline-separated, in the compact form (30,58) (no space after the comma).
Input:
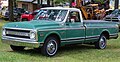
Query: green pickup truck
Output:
(56,26)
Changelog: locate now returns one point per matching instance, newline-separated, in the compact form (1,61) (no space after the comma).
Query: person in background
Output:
(73,3)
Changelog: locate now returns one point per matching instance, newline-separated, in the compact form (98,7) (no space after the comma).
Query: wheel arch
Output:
(54,34)
(106,34)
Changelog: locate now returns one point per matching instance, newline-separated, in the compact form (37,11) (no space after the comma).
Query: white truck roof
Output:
(70,9)
(61,8)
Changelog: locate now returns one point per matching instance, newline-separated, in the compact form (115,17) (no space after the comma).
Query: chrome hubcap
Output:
(102,42)
(51,47)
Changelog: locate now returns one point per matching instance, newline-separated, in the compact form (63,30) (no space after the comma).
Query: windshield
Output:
(51,15)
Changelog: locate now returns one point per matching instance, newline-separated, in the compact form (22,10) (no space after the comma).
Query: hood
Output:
(42,24)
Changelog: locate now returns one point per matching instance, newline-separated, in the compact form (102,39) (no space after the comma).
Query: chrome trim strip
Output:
(114,36)
(52,29)
(111,36)
(17,28)
(100,27)
(15,38)
(91,38)
(80,38)
(80,27)
(73,40)
(22,43)
(75,28)
(77,38)
(63,29)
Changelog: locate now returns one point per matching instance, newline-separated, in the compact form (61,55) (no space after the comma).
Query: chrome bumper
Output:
(22,43)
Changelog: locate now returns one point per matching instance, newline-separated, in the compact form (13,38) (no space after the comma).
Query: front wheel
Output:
(101,43)
(17,48)
(50,47)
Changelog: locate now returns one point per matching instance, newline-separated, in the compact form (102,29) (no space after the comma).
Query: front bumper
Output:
(22,43)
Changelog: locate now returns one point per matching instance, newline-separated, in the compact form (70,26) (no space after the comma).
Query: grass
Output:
(76,53)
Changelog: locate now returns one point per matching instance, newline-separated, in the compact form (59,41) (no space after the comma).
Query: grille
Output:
(112,19)
(18,33)
(108,19)
(115,19)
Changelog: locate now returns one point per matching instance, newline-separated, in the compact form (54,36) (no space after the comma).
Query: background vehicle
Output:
(109,11)
(58,27)
(114,17)
(90,11)
(27,16)
(16,12)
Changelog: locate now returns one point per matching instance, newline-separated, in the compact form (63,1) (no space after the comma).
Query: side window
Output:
(74,16)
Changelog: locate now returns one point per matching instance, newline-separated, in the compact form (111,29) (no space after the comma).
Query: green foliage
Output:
(60,1)
(101,1)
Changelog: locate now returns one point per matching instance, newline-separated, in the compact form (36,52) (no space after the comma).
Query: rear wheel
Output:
(17,48)
(50,47)
(101,43)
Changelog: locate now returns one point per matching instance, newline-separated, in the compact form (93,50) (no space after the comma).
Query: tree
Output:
(10,8)
(38,3)
(14,3)
(116,4)
(61,1)
(100,1)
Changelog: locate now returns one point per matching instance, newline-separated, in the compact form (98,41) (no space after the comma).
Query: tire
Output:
(101,43)
(50,47)
(17,48)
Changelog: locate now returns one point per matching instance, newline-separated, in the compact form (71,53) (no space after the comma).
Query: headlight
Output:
(32,35)
(4,32)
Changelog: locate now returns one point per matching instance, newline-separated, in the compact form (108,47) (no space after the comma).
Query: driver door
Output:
(75,31)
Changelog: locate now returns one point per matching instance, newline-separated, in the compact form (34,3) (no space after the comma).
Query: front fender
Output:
(43,35)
